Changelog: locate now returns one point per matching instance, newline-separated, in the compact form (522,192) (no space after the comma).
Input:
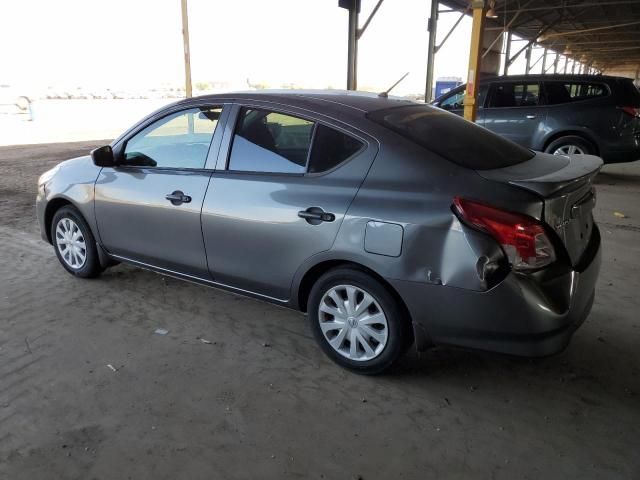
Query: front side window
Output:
(179,140)
(566,92)
(454,102)
(267,141)
(504,95)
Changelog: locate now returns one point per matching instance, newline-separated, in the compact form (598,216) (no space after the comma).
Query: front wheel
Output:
(74,243)
(357,321)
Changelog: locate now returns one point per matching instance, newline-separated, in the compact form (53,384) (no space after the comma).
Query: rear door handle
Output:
(531,117)
(178,198)
(315,215)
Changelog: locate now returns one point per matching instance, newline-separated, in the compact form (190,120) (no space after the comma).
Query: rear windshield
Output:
(452,137)
(630,93)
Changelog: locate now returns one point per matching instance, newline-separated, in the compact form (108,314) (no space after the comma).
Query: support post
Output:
(555,63)
(507,54)
(573,67)
(544,62)
(475,59)
(528,57)
(352,52)
(566,62)
(187,53)
(431,50)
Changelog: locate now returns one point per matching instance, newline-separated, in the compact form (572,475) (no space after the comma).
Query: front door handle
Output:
(531,117)
(315,215)
(178,198)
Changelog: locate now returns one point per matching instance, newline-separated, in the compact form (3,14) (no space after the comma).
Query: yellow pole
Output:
(187,55)
(475,59)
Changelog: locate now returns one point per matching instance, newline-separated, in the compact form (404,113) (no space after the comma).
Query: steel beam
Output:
(507,53)
(431,50)
(446,37)
(475,60)
(352,48)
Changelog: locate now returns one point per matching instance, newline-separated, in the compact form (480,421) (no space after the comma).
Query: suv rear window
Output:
(566,92)
(452,137)
(629,93)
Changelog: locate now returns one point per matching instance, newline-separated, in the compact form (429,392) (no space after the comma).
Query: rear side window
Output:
(270,142)
(567,92)
(505,95)
(452,137)
(331,148)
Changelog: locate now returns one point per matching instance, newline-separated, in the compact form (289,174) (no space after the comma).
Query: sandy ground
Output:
(261,401)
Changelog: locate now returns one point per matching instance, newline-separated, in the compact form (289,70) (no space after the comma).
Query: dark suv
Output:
(560,114)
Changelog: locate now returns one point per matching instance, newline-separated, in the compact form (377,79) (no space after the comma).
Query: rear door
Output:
(282,186)
(516,111)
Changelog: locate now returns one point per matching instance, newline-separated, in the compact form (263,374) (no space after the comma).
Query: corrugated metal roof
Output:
(605,33)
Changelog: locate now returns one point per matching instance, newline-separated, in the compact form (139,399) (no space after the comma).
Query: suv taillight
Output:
(633,111)
(522,238)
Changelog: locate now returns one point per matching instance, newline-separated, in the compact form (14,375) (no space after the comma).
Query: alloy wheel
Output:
(70,243)
(569,150)
(353,322)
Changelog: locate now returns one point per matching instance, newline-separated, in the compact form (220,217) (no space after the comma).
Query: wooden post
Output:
(187,54)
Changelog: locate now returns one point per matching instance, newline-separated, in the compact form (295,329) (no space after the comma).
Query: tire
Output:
(391,338)
(571,144)
(69,226)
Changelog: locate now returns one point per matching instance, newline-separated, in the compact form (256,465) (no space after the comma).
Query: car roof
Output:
(550,77)
(363,102)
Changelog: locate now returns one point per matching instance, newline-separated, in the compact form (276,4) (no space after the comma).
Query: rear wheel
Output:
(357,322)
(74,243)
(570,145)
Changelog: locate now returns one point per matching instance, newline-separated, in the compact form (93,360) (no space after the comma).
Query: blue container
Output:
(444,86)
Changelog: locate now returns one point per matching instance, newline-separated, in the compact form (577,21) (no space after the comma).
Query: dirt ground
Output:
(262,401)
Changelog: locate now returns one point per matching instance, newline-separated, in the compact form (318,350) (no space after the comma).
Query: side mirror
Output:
(103,157)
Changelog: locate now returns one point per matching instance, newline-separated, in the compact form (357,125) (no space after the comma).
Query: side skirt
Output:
(199,280)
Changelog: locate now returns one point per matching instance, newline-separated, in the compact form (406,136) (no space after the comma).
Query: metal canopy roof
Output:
(604,34)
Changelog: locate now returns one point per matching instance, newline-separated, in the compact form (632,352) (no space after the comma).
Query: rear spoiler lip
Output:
(569,171)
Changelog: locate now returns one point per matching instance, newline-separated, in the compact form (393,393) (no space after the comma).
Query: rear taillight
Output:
(522,238)
(633,111)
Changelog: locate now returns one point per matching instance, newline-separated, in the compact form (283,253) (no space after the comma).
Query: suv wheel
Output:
(74,243)
(357,322)
(570,145)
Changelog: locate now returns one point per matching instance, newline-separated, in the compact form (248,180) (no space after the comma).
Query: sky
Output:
(137,44)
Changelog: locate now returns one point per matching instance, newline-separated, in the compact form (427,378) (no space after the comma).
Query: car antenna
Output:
(385,94)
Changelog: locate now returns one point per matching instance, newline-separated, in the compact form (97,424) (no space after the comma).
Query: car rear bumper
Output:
(527,315)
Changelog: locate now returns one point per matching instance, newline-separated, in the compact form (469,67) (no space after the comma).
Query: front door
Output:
(514,110)
(148,208)
(282,187)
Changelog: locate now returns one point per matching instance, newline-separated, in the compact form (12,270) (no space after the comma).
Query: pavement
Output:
(237,388)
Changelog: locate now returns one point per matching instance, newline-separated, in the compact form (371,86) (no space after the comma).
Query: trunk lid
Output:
(565,184)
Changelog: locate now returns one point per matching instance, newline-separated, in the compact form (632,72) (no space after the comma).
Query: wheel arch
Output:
(312,275)
(584,134)
(52,207)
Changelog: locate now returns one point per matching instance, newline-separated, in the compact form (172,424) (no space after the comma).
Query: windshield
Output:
(452,137)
